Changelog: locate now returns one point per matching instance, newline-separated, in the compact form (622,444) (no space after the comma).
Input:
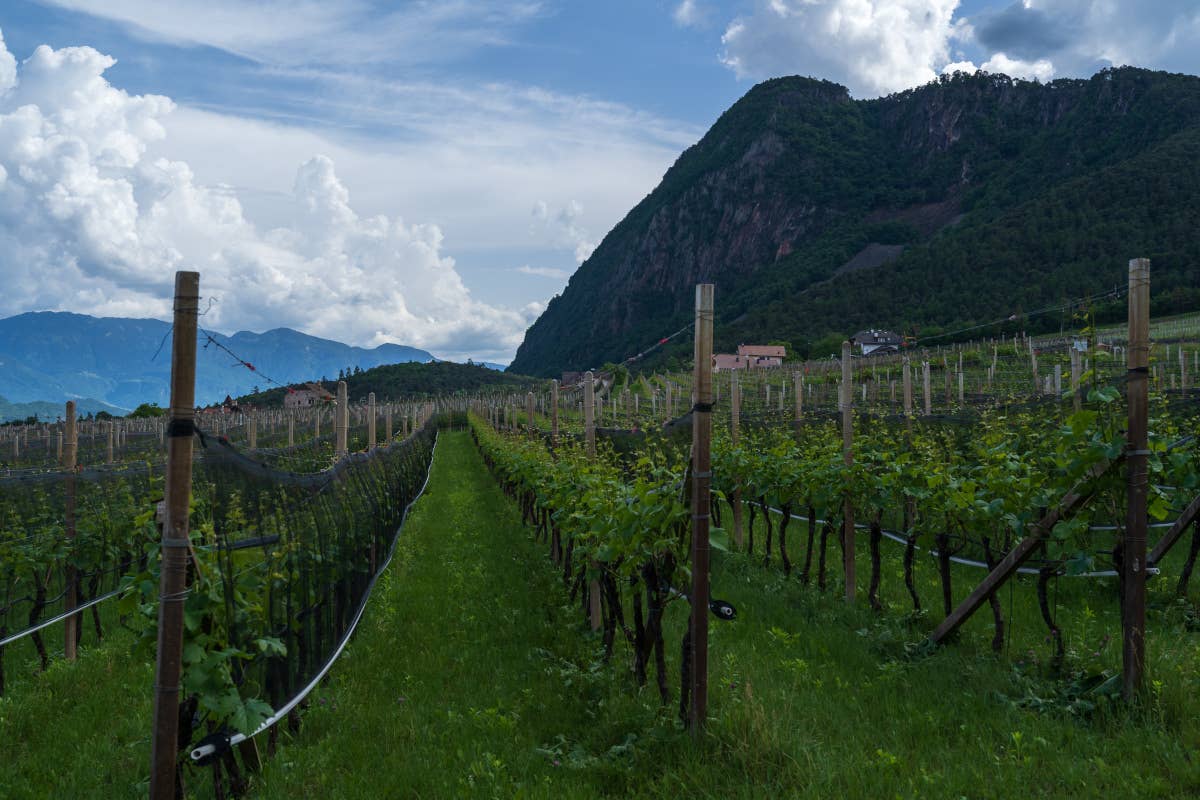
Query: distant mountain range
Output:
(971,199)
(57,356)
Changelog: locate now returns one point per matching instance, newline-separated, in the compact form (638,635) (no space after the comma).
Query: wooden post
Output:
(317,427)
(928,391)
(908,394)
(111,430)
(1075,378)
(291,429)
(342,422)
(1183,375)
(589,422)
(70,454)
(848,460)
(371,416)
(175,541)
(1133,563)
(798,400)
(387,423)
(735,424)
(1058,380)
(554,412)
(253,427)
(589,413)
(529,414)
(701,480)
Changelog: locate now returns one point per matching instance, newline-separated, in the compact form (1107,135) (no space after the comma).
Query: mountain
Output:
(47,411)
(395,381)
(967,200)
(57,356)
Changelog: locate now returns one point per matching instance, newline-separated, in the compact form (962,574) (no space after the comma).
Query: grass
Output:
(475,678)
(472,675)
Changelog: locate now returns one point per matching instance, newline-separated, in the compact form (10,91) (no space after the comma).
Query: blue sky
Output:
(428,173)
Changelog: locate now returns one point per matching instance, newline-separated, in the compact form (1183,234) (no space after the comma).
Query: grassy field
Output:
(473,676)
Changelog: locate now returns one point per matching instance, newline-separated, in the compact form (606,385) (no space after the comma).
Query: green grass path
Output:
(463,666)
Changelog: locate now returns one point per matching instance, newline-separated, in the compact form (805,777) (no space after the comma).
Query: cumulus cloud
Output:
(872,46)
(8,67)
(90,223)
(1080,36)
(564,227)
(1041,69)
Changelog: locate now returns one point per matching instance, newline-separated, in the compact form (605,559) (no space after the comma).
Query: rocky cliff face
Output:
(796,178)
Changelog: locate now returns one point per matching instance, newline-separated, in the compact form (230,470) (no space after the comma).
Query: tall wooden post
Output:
(529,414)
(387,423)
(70,455)
(554,412)
(589,422)
(589,413)
(928,390)
(1133,565)
(735,435)
(371,420)
(848,459)
(908,394)
(1075,377)
(1183,374)
(342,422)
(253,426)
(175,542)
(111,432)
(701,498)
(798,392)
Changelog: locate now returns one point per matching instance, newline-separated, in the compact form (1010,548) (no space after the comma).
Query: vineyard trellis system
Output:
(1041,465)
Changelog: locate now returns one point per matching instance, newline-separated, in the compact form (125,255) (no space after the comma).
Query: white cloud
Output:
(1041,69)
(475,158)
(8,68)
(90,222)
(1079,36)
(563,228)
(872,46)
(544,272)
(318,31)
(690,14)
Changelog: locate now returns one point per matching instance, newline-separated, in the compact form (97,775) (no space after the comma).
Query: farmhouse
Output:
(306,396)
(750,356)
(875,341)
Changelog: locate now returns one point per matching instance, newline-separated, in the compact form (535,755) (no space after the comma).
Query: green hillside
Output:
(970,199)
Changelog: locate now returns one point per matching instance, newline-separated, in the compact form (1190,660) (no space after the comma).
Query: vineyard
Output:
(889,497)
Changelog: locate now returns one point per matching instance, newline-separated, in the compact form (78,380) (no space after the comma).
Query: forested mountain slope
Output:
(969,199)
